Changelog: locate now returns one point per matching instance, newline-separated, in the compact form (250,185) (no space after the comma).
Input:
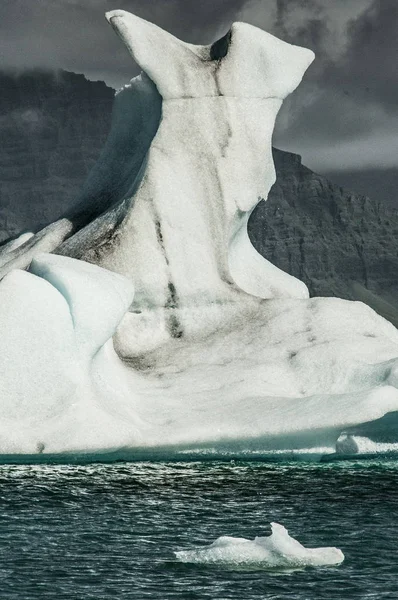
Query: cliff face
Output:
(53,126)
(330,238)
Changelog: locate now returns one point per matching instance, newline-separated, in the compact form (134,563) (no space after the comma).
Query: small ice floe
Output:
(349,444)
(277,551)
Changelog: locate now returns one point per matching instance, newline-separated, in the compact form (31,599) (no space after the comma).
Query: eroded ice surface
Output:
(179,338)
(278,551)
(282,376)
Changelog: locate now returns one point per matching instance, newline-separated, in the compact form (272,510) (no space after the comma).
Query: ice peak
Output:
(182,70)
(161,55)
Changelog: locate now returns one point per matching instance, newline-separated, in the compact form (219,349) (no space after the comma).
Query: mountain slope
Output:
(326,236)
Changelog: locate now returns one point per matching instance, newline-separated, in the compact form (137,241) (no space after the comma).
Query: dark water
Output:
(109,531)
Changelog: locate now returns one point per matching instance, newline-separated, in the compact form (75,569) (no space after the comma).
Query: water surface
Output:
(109,531)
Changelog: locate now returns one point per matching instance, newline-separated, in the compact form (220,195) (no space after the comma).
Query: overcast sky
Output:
(343,117)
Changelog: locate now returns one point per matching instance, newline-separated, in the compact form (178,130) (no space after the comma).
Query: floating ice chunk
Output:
(278,551)
(355,444)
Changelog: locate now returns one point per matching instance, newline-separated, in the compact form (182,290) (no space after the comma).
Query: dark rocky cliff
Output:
(53,125)
(337,241)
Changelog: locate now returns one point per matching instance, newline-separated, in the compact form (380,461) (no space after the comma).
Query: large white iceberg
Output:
(179,338)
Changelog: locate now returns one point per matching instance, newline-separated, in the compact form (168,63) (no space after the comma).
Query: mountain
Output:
(377,182)
(338,242)
(53,125)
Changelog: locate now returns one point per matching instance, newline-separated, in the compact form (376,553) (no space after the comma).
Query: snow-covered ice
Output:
(155,327)
(281,376)
(277,551)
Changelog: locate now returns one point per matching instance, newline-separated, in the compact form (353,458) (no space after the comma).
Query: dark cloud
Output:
(309,33)
(343,113)
(74,35)
(346,109)
(370,63)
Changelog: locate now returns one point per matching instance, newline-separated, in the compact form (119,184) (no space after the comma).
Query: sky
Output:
(344,116)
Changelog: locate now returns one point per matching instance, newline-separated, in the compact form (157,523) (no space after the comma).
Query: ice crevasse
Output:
(145,323)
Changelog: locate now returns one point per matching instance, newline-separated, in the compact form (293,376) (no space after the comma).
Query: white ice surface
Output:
(278,376)
(184,222)
(278,551)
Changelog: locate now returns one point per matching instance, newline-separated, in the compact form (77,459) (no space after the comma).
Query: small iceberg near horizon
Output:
(278,551)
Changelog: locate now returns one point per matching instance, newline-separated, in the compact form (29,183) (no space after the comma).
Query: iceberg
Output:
(145,324)
(278,551)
